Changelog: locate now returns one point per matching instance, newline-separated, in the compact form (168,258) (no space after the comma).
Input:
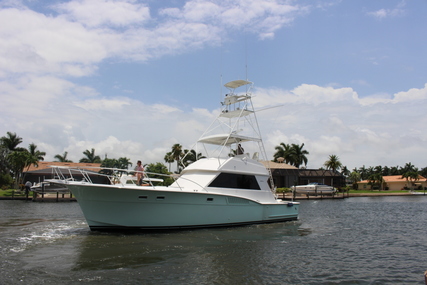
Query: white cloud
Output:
(35,43)
(388,13)
(83,33)
(368,130)
(103,104)
(413,94)
(260,17)
(94,13)
(335,123)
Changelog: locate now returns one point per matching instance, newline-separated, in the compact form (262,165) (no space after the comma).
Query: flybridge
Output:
(235,124)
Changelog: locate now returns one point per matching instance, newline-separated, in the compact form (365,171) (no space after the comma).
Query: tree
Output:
(409,167)
(345,171)
(161,169)
(35,154)
(177,154)
(124,162)
(376,180)
(62,158)
(4,161)
(394,170)
(11,142)
(90,157)
(354,178)
(333,163)
(18,161)
(14,159)
(298,155)
(283,150)
(169,159)
(190,156)
(121,163)
(411,178)
(363,172)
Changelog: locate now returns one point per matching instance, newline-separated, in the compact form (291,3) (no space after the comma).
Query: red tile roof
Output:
(396,178)
(47,164)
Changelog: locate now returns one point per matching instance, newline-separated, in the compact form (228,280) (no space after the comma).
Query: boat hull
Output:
(314,190)
(107,208)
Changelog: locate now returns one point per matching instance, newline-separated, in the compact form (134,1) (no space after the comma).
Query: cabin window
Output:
(239,181)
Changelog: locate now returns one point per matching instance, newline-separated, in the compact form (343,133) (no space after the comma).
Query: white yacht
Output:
(226,188)
(314,188)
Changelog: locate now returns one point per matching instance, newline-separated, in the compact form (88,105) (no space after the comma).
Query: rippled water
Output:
(378,240)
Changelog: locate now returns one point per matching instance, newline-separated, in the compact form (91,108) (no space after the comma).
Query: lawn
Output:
(13,192)
(377,191)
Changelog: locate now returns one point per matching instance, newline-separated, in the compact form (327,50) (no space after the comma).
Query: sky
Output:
(132,78)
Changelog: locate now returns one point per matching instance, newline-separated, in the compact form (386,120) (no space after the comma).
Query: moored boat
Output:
(226,188)
(314,188)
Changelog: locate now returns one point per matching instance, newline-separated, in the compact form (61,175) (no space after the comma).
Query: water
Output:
(378,240)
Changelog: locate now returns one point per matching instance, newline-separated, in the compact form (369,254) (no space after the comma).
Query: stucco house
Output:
(36,174)
(396,182)
(285,175)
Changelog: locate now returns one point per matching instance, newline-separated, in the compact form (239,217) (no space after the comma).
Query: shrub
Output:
(283,190)
(6,181)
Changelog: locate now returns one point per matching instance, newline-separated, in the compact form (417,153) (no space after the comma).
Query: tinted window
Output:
(240,181)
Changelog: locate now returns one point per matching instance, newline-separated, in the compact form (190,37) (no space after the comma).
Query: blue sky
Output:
(131,78)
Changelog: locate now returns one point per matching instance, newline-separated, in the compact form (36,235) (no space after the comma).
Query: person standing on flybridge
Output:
(140,174)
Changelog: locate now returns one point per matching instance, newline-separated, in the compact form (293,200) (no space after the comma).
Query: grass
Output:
(13,192)
(377,191)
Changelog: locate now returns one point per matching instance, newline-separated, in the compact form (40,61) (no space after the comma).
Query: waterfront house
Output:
(397,182)
(37,174)
(285,175)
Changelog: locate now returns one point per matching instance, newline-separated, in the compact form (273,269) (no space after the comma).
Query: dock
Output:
(39,196)
(341,195)
(290,196)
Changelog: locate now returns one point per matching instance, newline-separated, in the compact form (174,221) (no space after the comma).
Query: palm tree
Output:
(333,163)
(394,170)
(123,163)
(345,171)
(386,171)
(354,178)
(298,155)
(411,178)
(108,163)
(90,157)
(33,157)
(62,158)
(36,155)
(363,172)
(378,169)
(18,160)
(11,142)
(177,154)
(4,162)
(169,159)
(376,179)
(283,150)
(190,156)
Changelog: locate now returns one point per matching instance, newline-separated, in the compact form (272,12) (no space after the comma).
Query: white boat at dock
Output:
(314,188)
(226,188)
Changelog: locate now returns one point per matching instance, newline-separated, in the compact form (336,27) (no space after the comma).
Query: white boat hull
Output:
(126,208)
(314,190)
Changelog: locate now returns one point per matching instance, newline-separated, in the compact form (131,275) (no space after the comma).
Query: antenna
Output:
(220,88)
(246,62)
